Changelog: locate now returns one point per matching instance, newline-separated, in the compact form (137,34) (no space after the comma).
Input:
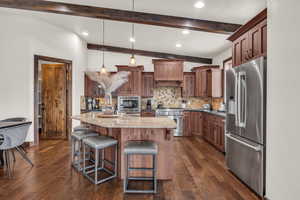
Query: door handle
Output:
(236,99)
(256,148)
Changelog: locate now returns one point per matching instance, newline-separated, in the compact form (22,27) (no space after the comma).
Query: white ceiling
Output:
(156,38)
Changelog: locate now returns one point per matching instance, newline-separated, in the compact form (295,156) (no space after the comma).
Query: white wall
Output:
(112,59)
(21,37)
(283,132)
(218,59)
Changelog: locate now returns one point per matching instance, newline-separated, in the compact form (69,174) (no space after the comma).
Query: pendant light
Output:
(132,40)
(103,69)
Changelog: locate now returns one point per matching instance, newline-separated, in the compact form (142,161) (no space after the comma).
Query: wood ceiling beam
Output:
(149,53)
(121,15)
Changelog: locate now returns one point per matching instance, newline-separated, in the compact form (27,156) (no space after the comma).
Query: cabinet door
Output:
(204,86)
(188,85)
(255,42)
(215,85)
(245,47)
(148,85)
(220,135)
(134,85)
(236,53)
(91,88)
(168,70)
(198,84)
(205,126)
(187,124)
(263,28)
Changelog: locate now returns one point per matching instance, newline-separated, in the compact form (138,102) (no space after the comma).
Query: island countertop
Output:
(126,121)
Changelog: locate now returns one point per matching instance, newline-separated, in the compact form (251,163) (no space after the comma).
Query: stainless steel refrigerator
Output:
(246,122)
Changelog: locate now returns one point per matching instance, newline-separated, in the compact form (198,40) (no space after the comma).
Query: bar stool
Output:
(140,148)
(81,128)
(76,140)
(99,143)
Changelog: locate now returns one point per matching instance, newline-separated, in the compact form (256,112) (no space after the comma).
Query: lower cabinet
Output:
(213,131)
(210,127)
(192,123)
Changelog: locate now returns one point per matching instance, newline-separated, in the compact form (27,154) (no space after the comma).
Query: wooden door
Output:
(54,99)
(148,84)
(188,85)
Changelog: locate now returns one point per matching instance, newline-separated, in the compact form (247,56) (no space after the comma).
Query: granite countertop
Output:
(213,112)
(126,121)
(12,124)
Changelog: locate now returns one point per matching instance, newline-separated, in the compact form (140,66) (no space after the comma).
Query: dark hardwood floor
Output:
(200,175)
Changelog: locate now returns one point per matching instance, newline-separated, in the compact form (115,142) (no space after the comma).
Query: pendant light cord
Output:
(103,31)
(132,31)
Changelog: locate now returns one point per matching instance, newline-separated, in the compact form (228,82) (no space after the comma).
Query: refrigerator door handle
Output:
(243,96)
(256,148)
(236,77)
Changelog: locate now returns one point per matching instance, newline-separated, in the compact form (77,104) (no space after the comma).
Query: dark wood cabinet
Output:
(148,84)
(208,82)
(188,89)
(168,72)
(148,113)
(134,85)
(187,124)
(213,131)
(196,123)
(192,123)
(91,88)
(250,41)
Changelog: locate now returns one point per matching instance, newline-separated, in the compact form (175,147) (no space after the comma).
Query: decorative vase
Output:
(108,108)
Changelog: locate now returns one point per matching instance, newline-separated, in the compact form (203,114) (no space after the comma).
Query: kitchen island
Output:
(130,128)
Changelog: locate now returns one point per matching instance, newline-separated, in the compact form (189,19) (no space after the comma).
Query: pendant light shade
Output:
(103,69)
(132,61)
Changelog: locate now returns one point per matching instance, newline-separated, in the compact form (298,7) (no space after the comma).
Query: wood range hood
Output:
(168,72)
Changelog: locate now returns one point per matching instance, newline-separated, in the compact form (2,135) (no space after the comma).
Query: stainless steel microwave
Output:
(129,104)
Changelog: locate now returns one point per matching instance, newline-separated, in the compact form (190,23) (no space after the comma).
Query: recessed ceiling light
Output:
(178,45)
(199,4)
(185,32)
(132,39)
(85,33)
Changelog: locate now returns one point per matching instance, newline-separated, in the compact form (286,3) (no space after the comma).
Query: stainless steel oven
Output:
(129,104)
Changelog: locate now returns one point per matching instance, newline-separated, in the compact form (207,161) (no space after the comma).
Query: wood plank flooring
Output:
(200,174)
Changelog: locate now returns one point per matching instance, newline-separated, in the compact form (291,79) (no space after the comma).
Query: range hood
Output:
(168,72)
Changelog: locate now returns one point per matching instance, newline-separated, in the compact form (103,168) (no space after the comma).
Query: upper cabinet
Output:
(134,85)
(91,88)
(189,82)
(168,72)
(148,84)
(208,81)
(250,41)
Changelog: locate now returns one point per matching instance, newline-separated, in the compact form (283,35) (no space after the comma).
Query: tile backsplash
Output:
(171,97)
